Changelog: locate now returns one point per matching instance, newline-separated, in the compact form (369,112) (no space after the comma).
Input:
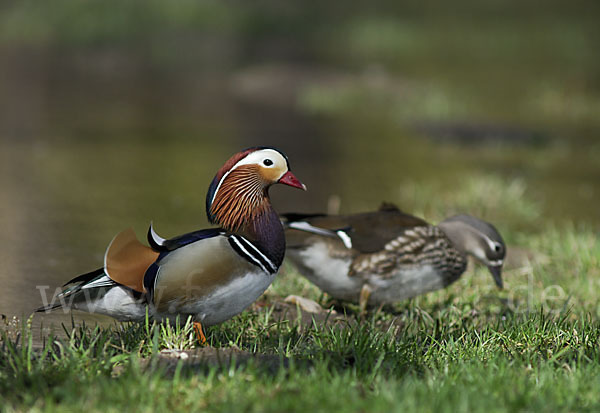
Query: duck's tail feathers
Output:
(84,278)
(94,279)
(47,308)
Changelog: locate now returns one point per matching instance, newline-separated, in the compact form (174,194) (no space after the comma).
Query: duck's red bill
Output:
(290,179)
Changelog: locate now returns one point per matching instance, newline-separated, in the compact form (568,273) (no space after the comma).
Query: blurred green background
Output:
(116,113)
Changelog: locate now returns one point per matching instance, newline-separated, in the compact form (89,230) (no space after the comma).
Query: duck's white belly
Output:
(331,275)
(117,302)
(220,305)
(403,284)
(207,280)
(328,273)
(223,302)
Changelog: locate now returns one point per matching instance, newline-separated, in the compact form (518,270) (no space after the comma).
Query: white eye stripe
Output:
(492,244)
(252,158)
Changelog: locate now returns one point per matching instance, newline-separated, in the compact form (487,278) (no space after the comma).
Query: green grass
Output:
(446,361)
(470,347)
(534,346)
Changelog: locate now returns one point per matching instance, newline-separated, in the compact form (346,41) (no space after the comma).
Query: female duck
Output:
(386,256)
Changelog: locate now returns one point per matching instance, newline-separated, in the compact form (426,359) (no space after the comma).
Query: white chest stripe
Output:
(246,254)
(265,259)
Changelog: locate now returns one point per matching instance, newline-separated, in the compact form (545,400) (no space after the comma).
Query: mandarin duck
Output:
(210,274)
(385,256)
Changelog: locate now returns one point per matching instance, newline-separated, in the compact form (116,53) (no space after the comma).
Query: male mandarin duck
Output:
(210,274)
(385,256)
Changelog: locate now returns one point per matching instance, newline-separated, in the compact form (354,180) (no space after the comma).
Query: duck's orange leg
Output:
(199,333)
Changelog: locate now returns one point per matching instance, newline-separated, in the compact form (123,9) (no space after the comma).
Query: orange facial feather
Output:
(240,198)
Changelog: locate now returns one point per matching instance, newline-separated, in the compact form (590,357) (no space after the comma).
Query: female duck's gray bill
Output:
(496,271)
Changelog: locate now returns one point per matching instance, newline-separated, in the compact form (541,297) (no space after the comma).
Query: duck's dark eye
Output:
(268,162)
(498,248)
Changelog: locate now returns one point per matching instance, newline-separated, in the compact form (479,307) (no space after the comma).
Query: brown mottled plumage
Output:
(387,255)
(410,249)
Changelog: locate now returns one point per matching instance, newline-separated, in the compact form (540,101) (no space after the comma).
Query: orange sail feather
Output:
(126,260)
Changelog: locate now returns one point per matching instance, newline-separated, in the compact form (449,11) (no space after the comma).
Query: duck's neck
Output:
(247,211)
(266,232)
